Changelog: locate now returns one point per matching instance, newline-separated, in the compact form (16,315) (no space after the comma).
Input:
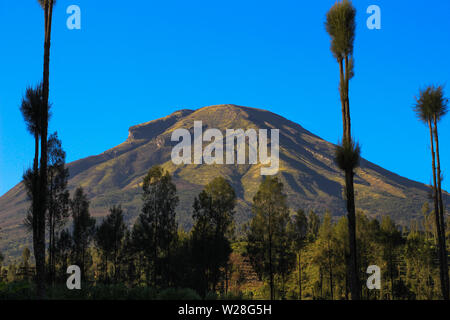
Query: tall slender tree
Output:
(58,197)
(267,233)
(83,228)
(313,226)
(390,238)
(340,25)
(63,251)
(155,230)
(109,237)
(213,226)
(298,227)
(32,103)
(47,5)
(430,106)
(439,108)
(325,252)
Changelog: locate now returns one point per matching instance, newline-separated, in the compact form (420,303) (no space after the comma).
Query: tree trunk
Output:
(342,95)
(50,221)
(391,271)
(35,203)
(330,267)
(270,258)
(354,279)
(40,219)
(271,271)
(353,264)
(54,252)
(348,134)
(441,212)
(346,285)
(299,277)
(436,214)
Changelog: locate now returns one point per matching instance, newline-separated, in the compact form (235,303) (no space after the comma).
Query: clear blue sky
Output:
(136,61)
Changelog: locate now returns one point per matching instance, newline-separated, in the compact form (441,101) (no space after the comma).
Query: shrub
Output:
(142,293)
(178,294)
(19,290)
(211,295)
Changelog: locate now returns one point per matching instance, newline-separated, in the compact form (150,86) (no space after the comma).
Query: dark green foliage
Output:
(21,290)
(213,228)
(58,196)
(31,108)
(313,225)
(431,101)
(267,237)
(347,155)
(178,294)
(83,228)
(155,230)
(109,237)
(391,239)
(142,293)
(407,261)
(340,25)
(298,228)
(35,110)
(63,252)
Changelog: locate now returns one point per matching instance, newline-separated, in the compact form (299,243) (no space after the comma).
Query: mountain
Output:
(307,169)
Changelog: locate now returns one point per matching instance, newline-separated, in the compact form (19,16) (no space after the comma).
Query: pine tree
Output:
(58,196)
(298,228)
(83,228)
(213,227)
(391,239)
(109,237)
(155,231)
(325,253)
(267,232)
(63,252)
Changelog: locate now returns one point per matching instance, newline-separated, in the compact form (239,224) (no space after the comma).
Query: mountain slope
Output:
(307,169)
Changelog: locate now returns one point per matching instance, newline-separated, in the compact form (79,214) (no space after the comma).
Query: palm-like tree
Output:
(430,107)
(47,5)
(340,25)
(439,108)
(31,106)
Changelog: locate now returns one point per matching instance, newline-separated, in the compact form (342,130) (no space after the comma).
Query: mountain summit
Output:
(307,170)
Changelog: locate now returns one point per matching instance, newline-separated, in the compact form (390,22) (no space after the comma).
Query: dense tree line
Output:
(295,255)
